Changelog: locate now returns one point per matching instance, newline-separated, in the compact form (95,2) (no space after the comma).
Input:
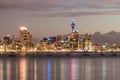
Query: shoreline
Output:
(62,54)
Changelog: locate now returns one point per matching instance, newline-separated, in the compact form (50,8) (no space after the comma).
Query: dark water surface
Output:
(62,68)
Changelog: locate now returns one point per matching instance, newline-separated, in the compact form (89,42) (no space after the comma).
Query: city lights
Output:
(71,42)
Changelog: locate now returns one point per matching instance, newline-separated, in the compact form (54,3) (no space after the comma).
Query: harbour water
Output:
(59,68)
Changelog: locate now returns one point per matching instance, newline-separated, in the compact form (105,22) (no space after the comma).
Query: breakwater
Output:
(59,54)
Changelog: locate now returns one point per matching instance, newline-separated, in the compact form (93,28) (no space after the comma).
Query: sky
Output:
(53,17)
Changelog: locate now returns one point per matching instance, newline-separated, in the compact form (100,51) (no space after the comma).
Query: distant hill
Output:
(110,37)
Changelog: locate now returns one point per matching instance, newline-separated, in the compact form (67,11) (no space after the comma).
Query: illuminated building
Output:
(52,39)
(7,41)
(88,43)
(81,43)
(1,45)
(43,46)
(59,37)
(25,38)
(60,42)
(73,39)
(49,44)
(49,40)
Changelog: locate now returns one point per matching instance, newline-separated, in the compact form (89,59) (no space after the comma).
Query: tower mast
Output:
(73,23)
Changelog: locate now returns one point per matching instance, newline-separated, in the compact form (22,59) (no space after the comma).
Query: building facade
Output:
(25,38)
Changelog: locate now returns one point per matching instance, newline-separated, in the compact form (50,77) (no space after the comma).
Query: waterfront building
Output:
(17,46)
(59,38)
(73,39)
(25,38)
(49,44)
(8,39)
(81,43)
(7,42)
(1,45)
(50,40)
(43,46)
(59,42)
(88,45)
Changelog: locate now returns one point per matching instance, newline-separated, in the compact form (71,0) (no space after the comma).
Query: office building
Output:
(25,38)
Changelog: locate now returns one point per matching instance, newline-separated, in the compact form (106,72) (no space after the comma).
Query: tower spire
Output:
(73,23)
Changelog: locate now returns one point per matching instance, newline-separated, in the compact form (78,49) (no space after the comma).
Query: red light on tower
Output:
(73,24)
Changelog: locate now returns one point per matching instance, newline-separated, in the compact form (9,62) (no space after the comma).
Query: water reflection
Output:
(8,70)
(23,69)
(73,67)
(59,68)
(103,70)
(35,70)
(49,70)
(1,70)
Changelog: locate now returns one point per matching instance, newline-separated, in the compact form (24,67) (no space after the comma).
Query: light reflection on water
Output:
(23,69)
(64,68)
(1,70)
(48,70)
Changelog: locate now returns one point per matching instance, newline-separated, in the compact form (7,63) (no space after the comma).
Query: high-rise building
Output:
(25,37)
(8,39)
(88,43)
(59,40)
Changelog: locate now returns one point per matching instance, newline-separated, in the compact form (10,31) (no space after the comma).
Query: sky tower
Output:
(73,23)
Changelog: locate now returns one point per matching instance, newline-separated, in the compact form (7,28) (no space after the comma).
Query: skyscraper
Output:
(25,37)
(88,42)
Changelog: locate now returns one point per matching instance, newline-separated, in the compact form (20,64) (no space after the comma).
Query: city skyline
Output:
(49,17)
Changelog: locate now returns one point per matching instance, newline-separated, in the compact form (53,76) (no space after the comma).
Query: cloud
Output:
(53,8)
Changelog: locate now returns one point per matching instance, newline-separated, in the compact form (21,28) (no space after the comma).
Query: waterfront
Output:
(71,42)
(59,68)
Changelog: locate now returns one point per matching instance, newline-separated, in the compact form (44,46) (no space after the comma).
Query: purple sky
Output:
(53,17)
